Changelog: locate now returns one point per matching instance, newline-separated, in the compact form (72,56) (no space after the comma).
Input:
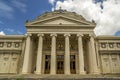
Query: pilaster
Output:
(93,55)
(26,63)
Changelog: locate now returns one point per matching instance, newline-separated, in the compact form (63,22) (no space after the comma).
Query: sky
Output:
(14,13)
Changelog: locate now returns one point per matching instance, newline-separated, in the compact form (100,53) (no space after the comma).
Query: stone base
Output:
(95,73)
(25,73)
(82,73)
(59,78)
(37,72)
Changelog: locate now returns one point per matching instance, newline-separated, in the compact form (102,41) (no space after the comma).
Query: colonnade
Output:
(25,69)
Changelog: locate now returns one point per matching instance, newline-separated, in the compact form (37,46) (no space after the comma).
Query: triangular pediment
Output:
(59,20)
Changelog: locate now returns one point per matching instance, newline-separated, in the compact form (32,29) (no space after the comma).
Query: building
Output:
(59,42)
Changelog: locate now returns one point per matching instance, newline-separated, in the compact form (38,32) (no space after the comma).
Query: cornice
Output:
(12,36)
(108,37)
(63,26)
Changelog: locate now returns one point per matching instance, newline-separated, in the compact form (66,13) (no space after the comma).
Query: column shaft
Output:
(53,55)
(89,57)
(39,55)
(93,56)
(80,55)
(25,69)
(67,54)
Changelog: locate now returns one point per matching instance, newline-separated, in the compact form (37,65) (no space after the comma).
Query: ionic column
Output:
(39,54)
(93,56)
(80,54)
(26,67)
(67,54)
(53,54)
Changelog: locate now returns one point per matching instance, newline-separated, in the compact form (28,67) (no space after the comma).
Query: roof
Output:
(61,12)
(63,18)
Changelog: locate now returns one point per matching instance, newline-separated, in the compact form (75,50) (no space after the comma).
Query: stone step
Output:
(59,79)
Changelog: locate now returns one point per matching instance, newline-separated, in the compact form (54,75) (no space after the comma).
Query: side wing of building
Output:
(108,48)
(11,53)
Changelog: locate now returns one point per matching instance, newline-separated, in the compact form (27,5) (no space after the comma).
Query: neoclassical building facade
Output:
(59,42)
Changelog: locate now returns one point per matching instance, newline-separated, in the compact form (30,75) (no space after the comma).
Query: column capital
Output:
(67,35)
(53,34)
(28,35)
(91,35)
(40,34)
(79,35)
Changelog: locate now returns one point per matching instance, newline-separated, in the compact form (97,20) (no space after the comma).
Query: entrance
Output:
(47,64)
(72,64)
(60,64)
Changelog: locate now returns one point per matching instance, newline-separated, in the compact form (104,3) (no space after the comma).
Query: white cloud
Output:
(20,5)
(2,33)
(51,2)
(107,19)
(19,32)
(7,10)
(10,30)
(5,7)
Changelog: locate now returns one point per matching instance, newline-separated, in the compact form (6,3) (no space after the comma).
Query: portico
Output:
(63,44)
(63,54)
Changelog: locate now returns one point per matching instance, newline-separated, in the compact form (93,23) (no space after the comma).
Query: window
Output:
(111,45)
(1,44)
(114,59)
(105,59)
(17,45)
(118,45)
(103,45)
(72,57)
(9,44)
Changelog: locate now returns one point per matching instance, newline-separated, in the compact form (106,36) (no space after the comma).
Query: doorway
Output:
(60,64)
(72,64)
(47,64)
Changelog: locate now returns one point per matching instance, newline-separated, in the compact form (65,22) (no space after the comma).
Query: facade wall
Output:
(11,51)
(109,54)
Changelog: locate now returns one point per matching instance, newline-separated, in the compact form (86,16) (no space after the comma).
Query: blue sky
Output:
(13,16)
(14,13)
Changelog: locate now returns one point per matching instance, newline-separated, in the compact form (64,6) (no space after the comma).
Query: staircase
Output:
(59,77)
